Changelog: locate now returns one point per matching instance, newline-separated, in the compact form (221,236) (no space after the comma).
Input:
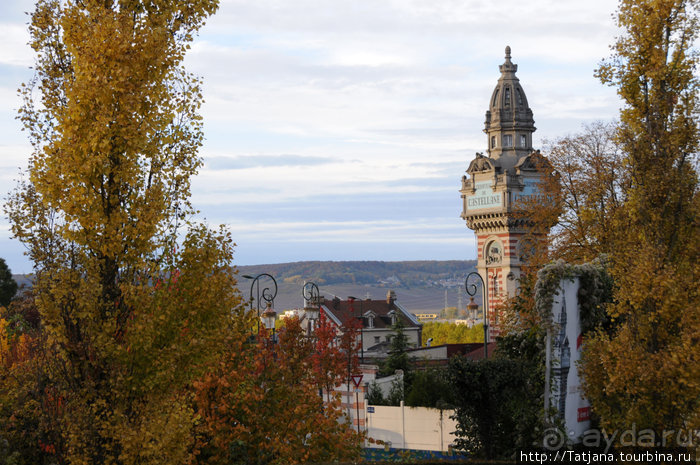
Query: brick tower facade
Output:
(493,185)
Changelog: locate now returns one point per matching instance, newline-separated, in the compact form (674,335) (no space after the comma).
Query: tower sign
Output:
(494,185)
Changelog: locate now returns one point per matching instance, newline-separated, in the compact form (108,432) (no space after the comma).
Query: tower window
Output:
(495,98)
(506,97)
(493,141)
(523,140)
(507,140)
(494,253)
(520,97)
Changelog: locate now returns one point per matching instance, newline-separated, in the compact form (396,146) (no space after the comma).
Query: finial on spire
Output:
(508,66)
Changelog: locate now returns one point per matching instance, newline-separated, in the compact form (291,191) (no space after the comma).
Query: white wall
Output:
(411,428)
(368,335)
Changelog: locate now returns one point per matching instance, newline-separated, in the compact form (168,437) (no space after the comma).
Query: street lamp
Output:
(471,290)
(267,294)
(312,303)
(268,319)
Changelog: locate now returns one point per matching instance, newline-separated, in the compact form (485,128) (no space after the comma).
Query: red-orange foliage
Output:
(328,360)
(350,345)
(262,404)
(29,408)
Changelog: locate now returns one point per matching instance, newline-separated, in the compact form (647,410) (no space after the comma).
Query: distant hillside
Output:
(25,280)
(426,273)
(419,285)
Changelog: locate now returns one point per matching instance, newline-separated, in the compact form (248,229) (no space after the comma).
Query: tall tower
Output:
(493,185)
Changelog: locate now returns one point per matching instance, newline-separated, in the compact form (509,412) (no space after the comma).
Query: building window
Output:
(377,339)
(495,98)
(394,317)
(493,141)
(520,97)
(370,321)
(523,140)
(506,97)
(507,140)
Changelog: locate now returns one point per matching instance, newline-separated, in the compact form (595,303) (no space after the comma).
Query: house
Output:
(378,318)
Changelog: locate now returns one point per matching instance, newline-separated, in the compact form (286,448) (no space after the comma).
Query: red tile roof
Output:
(478,353)
(344,309)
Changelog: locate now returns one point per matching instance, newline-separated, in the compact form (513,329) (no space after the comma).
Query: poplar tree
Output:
(135,301)
(646,372)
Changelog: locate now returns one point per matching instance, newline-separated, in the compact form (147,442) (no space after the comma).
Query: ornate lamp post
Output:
(312,308)
(471,290)
(267,294)
(312,304)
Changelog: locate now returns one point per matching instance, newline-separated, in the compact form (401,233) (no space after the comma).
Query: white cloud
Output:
(15,51)
(391,231)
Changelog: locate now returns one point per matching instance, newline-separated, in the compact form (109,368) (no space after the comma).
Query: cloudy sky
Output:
(339,130)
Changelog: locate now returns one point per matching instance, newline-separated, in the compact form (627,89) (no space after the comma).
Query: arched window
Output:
(493,253)
(495,98)
(493,141)
(506,97)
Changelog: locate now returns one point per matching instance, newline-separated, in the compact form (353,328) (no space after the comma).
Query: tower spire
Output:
(509,123)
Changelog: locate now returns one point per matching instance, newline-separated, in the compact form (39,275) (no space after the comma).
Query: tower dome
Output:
(509,123)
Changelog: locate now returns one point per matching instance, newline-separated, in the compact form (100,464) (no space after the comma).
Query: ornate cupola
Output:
(509,123)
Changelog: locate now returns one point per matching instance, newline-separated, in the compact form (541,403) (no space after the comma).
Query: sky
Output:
(340,129)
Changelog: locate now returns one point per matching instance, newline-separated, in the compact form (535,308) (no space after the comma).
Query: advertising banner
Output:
(564,343)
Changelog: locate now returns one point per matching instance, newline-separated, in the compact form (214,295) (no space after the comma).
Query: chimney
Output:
(390,297)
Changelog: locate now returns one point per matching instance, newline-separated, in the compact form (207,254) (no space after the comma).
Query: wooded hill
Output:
(421,286)
(425,273)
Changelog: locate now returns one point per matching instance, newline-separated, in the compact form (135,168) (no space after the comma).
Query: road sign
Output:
(370,409)
(357,379)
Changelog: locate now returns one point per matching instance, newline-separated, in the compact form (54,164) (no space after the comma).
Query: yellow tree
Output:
(592,184)
(133,310)
(646,372)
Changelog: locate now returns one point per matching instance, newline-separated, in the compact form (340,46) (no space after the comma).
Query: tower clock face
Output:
(527,248)
(494,253)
